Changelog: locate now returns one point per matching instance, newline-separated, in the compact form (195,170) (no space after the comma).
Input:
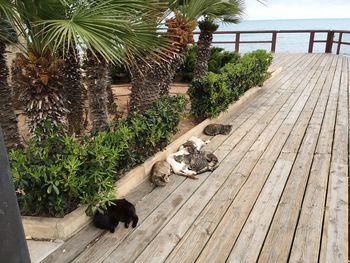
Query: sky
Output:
(296,9)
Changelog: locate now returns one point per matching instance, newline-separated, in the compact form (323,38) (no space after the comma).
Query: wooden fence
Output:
(329,41)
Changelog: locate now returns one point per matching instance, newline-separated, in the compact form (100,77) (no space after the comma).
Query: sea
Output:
(290,43)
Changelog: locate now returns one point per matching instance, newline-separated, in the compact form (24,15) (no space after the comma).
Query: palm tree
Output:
(227,12)
(8,120)
(110,29)
(150,80)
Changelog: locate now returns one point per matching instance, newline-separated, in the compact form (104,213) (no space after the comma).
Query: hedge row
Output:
(55,175)
(213,94)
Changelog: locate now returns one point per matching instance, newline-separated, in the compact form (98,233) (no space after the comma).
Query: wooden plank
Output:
(146,232)
(334,246)
(309,230)
(103,246)
(285,219)
(189,248)
(164,242)
(219,245)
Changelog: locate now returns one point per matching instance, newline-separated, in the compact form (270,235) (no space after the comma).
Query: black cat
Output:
(121,210)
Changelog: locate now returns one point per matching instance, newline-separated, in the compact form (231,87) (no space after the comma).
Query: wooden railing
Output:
(330,41)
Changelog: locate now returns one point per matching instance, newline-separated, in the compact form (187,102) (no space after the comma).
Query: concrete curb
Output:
(64,228)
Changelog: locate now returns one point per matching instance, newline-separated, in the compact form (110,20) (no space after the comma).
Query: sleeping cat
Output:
(199,162)
(160,173)
(180,168)
(120,210)
(215,129)
(193,145)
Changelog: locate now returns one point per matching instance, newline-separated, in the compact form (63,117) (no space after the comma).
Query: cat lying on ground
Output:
(180,168)
(120,210)
(160,173)
(199,162)
(193,145)
(215,129)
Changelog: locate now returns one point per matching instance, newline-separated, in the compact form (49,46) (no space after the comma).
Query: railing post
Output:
(311,42)
(13,246)
(339,42)
(273,41)
(329,43)
(238,36)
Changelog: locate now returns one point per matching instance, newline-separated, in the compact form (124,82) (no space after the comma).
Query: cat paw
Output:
(207,141)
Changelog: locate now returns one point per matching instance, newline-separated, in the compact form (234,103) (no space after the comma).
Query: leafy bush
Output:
(53,176)
(218,58)
(210,95)
(153,128)
(213,94)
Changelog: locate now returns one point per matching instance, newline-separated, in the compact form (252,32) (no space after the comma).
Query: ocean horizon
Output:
(286,43)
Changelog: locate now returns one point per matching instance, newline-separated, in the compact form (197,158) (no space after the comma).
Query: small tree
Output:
(227,12)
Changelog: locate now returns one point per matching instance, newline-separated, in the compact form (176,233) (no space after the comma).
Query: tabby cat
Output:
(199,162)
(160,173)
(215,129)
(180,168)
(119,210)
(193,145)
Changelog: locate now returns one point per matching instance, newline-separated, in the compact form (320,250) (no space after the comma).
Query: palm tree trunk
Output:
(111,106)
(171,69)
(151,78)
(145,85)
(203,54)
(8,120)
(96,74)
(73,92)
(41,83)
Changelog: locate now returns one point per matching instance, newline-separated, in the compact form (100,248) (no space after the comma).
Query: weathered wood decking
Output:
(280,193)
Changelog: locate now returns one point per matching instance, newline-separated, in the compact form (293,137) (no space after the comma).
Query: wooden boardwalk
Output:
(280,193)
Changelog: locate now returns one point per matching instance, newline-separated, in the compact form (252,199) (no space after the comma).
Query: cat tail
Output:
(135,220)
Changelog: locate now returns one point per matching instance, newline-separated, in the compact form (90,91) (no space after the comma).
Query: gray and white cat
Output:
(180,168)
(194,144)
(199,162)
(215,129)
(160,173)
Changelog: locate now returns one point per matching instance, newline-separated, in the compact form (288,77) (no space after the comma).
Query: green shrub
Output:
(53,176)
(218,58)
(210,95)
(213,94)
(153,128)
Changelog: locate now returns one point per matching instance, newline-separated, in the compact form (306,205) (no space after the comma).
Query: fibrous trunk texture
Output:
(149,81)
(73,91)
(97,81)
(152,76)
(203,54)
(40,80)
(111,106)
(8,120)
